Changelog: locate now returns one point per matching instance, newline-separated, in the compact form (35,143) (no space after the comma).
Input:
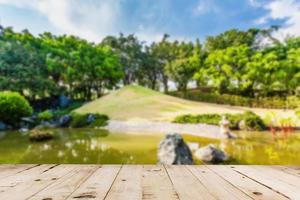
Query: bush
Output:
(250,119)
(88,120)
(13,107)
(290,102)
(61,112)
(253,121)
(212,119)
(45,116)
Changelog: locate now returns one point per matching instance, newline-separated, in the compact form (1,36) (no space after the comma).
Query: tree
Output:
(129,49)
(231,38)
(224,69)
(22,69)
(182,69)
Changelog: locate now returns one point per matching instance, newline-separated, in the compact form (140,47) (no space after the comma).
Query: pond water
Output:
(90,146)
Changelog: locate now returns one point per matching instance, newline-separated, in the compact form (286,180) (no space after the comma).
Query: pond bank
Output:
(150,127)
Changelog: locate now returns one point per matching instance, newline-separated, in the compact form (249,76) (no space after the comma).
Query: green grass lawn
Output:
(138,103)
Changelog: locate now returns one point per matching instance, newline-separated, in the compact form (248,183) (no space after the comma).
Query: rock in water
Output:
(173,150)
(211,154)
(64,121)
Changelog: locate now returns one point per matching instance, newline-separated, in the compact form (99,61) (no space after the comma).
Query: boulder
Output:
(173,150)
(40,135)
(64,120)
(211,154)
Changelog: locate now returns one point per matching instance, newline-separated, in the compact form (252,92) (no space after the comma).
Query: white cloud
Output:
(84,18)
(205,6)
(287,10)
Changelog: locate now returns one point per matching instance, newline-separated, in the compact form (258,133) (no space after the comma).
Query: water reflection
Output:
(101,147)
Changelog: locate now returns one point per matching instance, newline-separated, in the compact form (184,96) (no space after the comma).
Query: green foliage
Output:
(13,107)
(81,120)
(251,120)
(233,62)
(49,65)
(45,116)
(101,120)
(59,113)
(212,119)
(290,102)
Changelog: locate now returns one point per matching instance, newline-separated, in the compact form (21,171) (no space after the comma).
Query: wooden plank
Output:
(156,183)
(289,170)
(29,188)
(23,176)
(220,188)
(64,187)
(98,185)
(8,170)
(187,185)
(248,186)
(127,184)
(279,182)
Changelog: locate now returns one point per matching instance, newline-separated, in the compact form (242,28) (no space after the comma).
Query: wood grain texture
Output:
(128,184)
(148,182)
(245,184)
(156,184)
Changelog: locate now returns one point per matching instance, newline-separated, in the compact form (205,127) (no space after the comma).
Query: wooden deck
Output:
(130,182)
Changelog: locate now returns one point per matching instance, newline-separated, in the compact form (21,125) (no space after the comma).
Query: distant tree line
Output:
(248,63)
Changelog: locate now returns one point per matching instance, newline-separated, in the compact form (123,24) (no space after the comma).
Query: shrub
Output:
(79,120)
(45,116)
(84,120)
(13,107)
(101,120)
(290,102)
(61,112)
(212,119)
(253,121)
(250,119)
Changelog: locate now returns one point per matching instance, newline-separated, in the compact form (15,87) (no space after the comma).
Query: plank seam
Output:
(113,182)
(49,184)
(172,183)
(84,180)
(278,192)
(228,182)
(201,182)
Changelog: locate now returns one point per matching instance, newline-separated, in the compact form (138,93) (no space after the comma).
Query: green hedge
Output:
(250,119)
(81,120)
(291,102)
(13,107)
(45,116)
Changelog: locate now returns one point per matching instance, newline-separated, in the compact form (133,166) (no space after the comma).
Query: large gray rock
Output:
(173,150)
(211,154)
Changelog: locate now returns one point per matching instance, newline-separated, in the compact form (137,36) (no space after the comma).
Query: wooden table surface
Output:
(130,182)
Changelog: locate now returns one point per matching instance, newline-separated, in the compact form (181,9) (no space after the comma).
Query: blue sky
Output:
(149,19)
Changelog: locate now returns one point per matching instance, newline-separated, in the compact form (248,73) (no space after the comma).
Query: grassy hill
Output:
(138,103)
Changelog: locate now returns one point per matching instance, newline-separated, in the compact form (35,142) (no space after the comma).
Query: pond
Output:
(91,146)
